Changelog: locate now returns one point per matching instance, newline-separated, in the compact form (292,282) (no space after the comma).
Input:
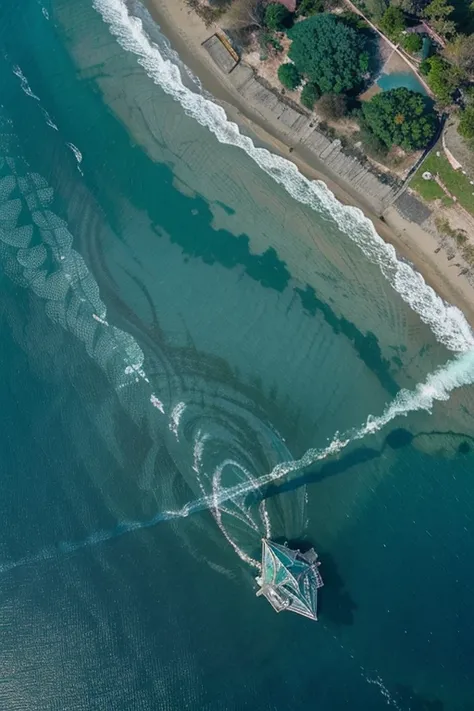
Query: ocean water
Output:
(199,348)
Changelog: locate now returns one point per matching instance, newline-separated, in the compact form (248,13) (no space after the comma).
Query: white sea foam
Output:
(77,155)
(175,418)
(29,92)
(49,120)
(447,322)
(156,402)
(24,83)
(457,373)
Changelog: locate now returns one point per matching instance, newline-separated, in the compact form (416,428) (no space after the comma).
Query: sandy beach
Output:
(186,32)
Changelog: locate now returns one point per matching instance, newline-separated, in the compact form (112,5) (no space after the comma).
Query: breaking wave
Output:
(446,321)
(39,256)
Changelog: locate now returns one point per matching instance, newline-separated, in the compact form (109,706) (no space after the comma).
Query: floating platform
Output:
(290,579)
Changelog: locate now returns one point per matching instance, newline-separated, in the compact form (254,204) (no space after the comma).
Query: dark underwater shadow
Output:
(335,604)
(396,439)
(415,702)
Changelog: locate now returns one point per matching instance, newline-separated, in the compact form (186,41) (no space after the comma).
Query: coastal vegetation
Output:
(277,17)
(328,53)
(393,22)
(453,185)
(400,117)
(289,75)
(466,123)
(327,56)
(309,95)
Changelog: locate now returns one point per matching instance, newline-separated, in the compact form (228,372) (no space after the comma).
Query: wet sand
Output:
(186,32)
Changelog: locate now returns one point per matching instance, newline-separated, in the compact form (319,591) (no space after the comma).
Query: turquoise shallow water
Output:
(396,79)
(181,317)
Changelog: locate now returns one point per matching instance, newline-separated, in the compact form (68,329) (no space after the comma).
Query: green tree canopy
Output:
(443,78)
(277,17)
(412,42)
(310,7)
(289,76)
(400,117)
(310,95)
(393,22)
(438,12)
(461,52)
(328,52)
(412,7)
(376,8)
(466,124)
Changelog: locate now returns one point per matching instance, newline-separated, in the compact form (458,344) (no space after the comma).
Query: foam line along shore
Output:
(186,31)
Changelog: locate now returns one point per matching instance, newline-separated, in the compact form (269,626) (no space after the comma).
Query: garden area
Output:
(455,182)
(324,57)
(332,62)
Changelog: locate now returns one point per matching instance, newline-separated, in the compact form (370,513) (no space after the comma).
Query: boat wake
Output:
(217,466)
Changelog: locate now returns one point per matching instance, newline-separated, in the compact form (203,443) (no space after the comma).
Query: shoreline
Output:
(186,31)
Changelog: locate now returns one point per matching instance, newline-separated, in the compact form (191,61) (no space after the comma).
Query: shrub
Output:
(400,117)
(412,42)
(466,123)
(443,78)
(352,19)
(310,95)
(332,106)
(289,76)
(277,17)
(393,22)
(307,8)
(328,52)
(372,145)
(425,67)
(269,42)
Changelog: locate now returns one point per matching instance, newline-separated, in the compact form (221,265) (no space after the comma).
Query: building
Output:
(290,579)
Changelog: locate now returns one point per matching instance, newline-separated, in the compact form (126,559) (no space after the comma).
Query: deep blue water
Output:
(181,314)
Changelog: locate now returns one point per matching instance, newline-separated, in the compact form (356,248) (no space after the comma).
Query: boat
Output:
(290,579)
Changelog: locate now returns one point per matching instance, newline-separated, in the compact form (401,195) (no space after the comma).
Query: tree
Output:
(310,95)
(400,117)
(306,8)
(376,8)
(412,42)
(332,106)
(444,79)
(393,22)
(466,123)
(411,7)
(461,52)
(289,76)
(277,17)
(438,12)
(327,52)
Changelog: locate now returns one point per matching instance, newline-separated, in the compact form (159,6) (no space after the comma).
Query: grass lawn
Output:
(457,183)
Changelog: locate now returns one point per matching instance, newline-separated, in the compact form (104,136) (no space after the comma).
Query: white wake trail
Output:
(438,386)
(447,322)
